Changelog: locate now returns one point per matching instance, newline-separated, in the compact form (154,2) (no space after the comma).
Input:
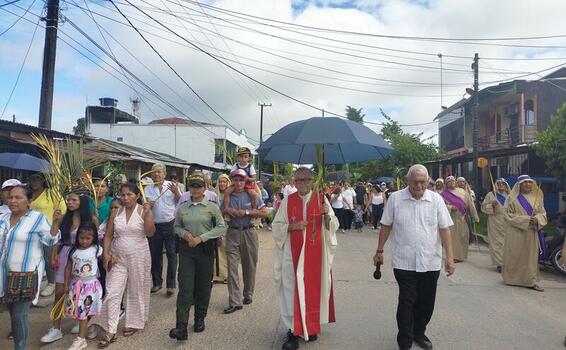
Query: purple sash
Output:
(500,198)
(540,233)
(455,201)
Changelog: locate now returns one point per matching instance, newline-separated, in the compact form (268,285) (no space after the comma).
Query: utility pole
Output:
(48,73)
(261,105)
(475,126)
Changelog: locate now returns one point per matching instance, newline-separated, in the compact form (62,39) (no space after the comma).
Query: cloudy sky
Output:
(325,53)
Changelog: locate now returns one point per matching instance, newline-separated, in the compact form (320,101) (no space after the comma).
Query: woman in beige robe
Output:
(521,248)
(492,206)
(460,231)
(222,263)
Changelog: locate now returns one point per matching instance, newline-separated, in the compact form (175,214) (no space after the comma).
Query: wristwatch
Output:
(247,212)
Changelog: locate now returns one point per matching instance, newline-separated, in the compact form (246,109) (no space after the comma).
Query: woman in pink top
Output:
(128,263)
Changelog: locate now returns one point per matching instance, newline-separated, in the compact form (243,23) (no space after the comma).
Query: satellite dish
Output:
(469,91)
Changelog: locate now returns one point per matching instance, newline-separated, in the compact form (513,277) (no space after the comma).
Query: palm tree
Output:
(354,114)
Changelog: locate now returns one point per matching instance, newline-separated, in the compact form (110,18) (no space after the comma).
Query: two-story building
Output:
(211,145)
(509,116)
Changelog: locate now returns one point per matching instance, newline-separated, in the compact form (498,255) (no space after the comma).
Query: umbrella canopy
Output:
(23,161)
(343,141)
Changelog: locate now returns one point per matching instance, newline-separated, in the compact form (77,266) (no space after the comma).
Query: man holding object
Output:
(419,222)
(304,230)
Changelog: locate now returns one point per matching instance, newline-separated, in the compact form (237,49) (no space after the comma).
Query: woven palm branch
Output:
(70,170)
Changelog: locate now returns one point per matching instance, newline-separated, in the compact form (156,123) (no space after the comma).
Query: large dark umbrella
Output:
(342,141)
(23,161)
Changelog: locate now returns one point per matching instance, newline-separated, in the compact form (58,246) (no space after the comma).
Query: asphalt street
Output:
(474,310)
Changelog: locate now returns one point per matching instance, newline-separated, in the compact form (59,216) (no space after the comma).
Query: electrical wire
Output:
(173,69)
(382,35)
(19,17)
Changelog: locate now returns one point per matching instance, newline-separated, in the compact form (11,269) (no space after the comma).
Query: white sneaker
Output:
(52,335)
(47,290)
(75,329)
(78,344)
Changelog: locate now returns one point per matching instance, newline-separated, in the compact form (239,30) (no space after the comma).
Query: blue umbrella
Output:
(343,141)
(23,161)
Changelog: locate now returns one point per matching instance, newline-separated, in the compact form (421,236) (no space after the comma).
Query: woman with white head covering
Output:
(459,204)
(439,185)
(493,207)
(524,240)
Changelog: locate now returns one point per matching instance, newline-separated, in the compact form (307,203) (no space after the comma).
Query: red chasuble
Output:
(312,267)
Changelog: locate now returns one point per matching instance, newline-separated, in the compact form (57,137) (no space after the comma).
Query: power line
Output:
(417,38)
(173,69)
(19,17)
(21,68)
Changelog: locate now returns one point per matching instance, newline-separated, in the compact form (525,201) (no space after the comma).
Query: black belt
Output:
(241,228)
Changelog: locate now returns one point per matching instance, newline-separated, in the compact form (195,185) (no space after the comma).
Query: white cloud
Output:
(235,97)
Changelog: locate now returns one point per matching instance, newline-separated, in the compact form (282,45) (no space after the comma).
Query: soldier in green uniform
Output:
(198,223)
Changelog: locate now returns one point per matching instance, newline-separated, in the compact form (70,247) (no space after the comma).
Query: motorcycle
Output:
(553,251)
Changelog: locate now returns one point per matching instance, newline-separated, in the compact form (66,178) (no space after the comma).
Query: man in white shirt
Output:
(349,197)
(419,222)
(163,196)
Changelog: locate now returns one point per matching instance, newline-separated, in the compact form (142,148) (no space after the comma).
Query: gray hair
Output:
(158,166)
(417,169)
(303,169)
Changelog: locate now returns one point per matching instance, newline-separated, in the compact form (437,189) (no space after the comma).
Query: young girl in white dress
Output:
(81,282)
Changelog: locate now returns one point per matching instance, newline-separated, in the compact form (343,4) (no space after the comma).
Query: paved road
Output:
(474,310)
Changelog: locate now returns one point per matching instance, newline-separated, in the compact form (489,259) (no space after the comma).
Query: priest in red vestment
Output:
(304,230)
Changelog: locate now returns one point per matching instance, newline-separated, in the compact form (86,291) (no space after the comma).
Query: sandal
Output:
(107,339)
(538,288)
(128,332)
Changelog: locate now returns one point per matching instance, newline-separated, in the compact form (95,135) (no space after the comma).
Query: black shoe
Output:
(199,325)
(179,332)
(313,337)
(247,301)
(231,309)
(291,342)
(423,342)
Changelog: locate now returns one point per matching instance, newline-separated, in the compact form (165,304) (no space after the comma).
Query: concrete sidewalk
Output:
(474,310)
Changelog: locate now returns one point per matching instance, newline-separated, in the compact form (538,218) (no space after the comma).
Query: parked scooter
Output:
(553,251)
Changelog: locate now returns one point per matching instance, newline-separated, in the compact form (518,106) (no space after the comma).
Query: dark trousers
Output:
(348,218)
(417,294)
(376,213)
(19,317)
(164,235)
(339,212)
(49,270)
(195,282)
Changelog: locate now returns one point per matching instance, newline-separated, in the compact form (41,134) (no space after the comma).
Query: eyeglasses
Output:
(304,180)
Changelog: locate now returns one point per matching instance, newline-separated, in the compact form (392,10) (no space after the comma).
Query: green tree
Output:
(551,144)
(80,128)
(354,114)
(408,149)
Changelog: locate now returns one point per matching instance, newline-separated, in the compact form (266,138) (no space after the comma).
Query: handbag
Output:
(21,286)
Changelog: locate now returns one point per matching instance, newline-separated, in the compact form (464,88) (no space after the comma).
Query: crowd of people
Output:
(100,255)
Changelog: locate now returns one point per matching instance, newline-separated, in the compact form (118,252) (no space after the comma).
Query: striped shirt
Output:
(20,246)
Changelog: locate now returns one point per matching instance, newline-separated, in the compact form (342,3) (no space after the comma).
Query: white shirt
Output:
(348,197)
(377,198)
(164,207)
(4,210)
(338,203)
(289,189)
(416,244)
